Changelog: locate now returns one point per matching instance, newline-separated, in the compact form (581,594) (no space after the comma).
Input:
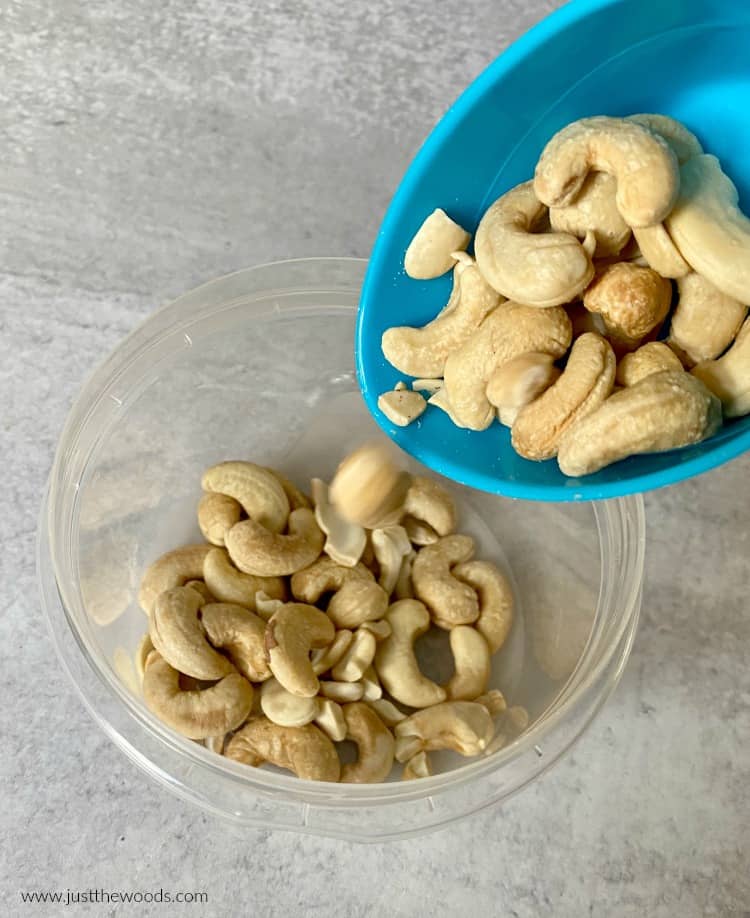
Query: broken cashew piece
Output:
(285,709)
(463,726)
(649,358)
(538,269)
(418,766)
(356,659)
(217,513)
(585,383)
(369,485)
(403,588)
(380,629)
(450,601)
(171,570)
(356,597)
(345,541)
(729,376)
(495,600)
(430,386)
(241,635)
(594,210)
(705,321)
(471,661)
(255,488)
(430,502)
(291,634)
(494,701)
(326,658)
(520,380)
(375,745)
(419,532)
(227,584)
(256,550)
(266,605)
(429,254)
(342,692)
(390,545)
(372,690)
(330,719)
(305,751)
(664,411)
(387,711)
(402,406)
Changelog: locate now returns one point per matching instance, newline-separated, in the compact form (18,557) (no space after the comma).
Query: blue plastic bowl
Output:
(686,58)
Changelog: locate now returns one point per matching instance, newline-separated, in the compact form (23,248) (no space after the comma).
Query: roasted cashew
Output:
(256,550)
(538,269)
(177,633)
(228,584)
(171,570)
(356,659)
(402,406)
(511,330)
(643,163)
(357,598)
(345,541)
(327,657)
(495,600)
(684,144)
(330,718)
(198,714)
(217,513)
(729,376)
(664,411)
(342,692)
(463,726)
(418,766)
(305,751)
(423,351)
(369,485)
(430,502)
(419,532)
(374,744)
(241,635)
(705,321)
(285,709)
(295,497)
(395,662)
(585,383)
(594,210)
(390,545)
(709,229)
(255,488)
(649,358)
(429,254)
(520,381)
(291,634)
(451,602)
(471,661)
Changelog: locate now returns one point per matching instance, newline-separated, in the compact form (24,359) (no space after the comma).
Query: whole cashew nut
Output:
(594,210)
(450,601)
(256,550)
(649,358)
(197,714)
(729,376)
(241,635)
(463,726)
(375,745)
(429,254)
(255,488)
(705,321)
(228,584)
(291,634)
(428,501)
(643,164)
(369,485)
(217,513)
(285,709)
(305,751)
(538,269)
(171,570)
(495,600)
(471,661)
(345,541)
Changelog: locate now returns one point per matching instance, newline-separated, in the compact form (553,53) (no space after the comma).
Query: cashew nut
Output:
(585,383)
(428,501)
(423,351)
(200,587)
(664,411)
(171,570)
(330,718)
(430,252)
(463,726)
(374,744)
(356,659)
(729,376)
(256,550)
(684,144)
(372,690)
(539,269)
(660,252)
(402,406)
(520,381)
(430,386)
(642,162)
(266,605)
(494,701)
(390,545)
(228,584)
(706,320)
(327,657)
(197,714)
(406,747)
(177,634)
(305,751)
(380,629)
(217,513)
(418,766)
(285,709)
(495,600)
(450,601)
(594,210)
(291,634)
(395,661)
(357,598)
(583,321)
(511,330)
(295,497)
(649,358)
(255,488)
(387,711)
(241,635)
(404,588)
(345,541)
(342,692)
(471,660)
(440,400)
(419,532)
(369,485)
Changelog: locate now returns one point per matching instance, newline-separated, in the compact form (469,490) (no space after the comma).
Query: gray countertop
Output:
(151,146)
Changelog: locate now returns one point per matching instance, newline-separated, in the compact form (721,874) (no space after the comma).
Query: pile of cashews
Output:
(292,628)
(627,234)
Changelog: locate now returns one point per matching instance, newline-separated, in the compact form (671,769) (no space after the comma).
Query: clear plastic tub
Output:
(259,365)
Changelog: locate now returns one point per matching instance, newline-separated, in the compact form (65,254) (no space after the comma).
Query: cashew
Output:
(266,605)
(406,747)
(228,584)
(729,376)
(594,210)
(643,164)
(418,766)
(330,718)
(196,714)
(255,488)
(430,386)
(256,550)
(200,587)
(450,601)
(391,545)
(706,320)
(345,541)
(171,570)
(144,648)
(684,144)
(387,711)
(660,252)
(510,330)
(357,657)
(402,406)
(342,692)
(440,400)
(471,660)
(664,411)
(521,380)
(423,351)
(217,513)
(241,635)
(295,497)
(495,600)
(356,598)
(327,657)
(374,744)
(285,709)
(429,252)
(463,726)
(583,321)
(177,634)
(381,630)
(649,358)
(291,634)
(585,383)
(369,485)
(395,661)
(539,269)
(709,229)
(403,588)
(371,687)
(419,532)
(494,701)
(305,751)
(428,501)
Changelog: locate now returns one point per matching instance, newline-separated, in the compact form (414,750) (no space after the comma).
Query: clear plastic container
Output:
(259,365)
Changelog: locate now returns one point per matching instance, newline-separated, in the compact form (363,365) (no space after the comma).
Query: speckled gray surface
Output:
(150,146)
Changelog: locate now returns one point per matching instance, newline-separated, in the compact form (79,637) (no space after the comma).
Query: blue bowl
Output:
(686,58)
